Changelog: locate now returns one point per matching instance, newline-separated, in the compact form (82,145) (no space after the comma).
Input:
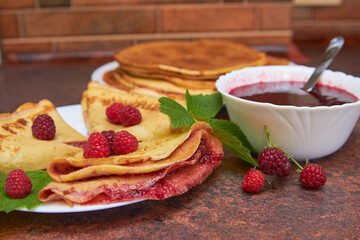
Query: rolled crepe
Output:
(97,98)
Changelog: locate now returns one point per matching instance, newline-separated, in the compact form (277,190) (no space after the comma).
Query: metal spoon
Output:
(331,51)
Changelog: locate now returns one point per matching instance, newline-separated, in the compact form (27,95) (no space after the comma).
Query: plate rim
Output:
(97,74)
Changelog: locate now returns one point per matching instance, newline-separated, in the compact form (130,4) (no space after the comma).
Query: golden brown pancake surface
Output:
(190,58)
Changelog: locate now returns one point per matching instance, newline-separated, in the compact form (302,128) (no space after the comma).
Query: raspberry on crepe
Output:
(30,144)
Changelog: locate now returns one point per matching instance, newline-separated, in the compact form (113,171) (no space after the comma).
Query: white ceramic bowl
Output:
(304,132)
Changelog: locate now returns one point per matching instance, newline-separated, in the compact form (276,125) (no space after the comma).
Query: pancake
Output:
(198,58)
(162,74)
(156,87)
(18,147)
(107,180)
(180,82)
(168,68)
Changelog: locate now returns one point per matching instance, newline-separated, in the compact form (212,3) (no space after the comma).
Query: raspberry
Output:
(17,184)
(112,112)
(129,116)
(273,161)
(254,181)
(124,143)
(96,147)
(109,137)
(43,127)
(313,176)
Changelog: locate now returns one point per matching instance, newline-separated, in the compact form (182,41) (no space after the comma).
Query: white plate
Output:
(97,75)
(72,115)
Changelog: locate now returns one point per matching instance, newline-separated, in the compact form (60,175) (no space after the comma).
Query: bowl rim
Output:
(223,78)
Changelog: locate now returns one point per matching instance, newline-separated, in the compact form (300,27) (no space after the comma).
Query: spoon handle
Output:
(331,51)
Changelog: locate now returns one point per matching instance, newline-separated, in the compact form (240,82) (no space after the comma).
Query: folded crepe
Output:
(98,97)
(157,171)
(18,147)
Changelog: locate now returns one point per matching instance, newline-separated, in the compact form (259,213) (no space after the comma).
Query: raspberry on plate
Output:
(109,137)
(17,184)
(254,181)
(96,147)
(313,176)
(129,116)
(124,143)
(112,112)
(43,127)
(273,161)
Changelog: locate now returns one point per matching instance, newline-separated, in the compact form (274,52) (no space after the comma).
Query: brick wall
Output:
(76,27)
(323,23)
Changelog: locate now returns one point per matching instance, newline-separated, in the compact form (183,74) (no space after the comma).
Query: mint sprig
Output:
(39,180)
(179,117)
(234,145)
(234,129)
(205,108)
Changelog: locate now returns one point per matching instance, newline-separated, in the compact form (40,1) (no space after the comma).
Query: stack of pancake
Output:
(168,68)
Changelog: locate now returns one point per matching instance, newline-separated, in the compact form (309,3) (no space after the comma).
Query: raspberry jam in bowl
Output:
(305,125)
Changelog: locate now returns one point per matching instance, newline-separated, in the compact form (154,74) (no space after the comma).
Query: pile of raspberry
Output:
(106,143)
(126,115)
(275,161)
(109,143)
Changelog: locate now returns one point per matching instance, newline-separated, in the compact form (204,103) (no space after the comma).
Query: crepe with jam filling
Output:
(18,147)
(109,180)
(167,162)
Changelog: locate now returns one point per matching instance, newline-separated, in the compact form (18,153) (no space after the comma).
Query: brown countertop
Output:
(216,209)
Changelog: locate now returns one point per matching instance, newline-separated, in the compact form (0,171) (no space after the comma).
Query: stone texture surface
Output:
(216,209)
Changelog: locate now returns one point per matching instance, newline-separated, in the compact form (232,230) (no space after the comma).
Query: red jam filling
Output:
(77,144)
(160,190)
(63,169)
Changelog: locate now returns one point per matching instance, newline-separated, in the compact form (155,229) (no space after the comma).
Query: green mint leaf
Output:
(203,106)
(235,146)
(179,117)
(234,129)
(39,180)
